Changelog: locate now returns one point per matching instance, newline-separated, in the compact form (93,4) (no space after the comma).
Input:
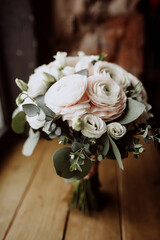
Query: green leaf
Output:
(31,142)
(83,72)
(102,57)
(40,102)
(21,84)
(100,158)
(134,110)
(52,135)
(61,162)
(58,131)
(49,78)
(18,122)
(62,165)
(52,127)
(76,146)
(41,116)
(19,100)
(63,139)
(105,142)
(116,153)
(31,110)
(85,169)
(145,133)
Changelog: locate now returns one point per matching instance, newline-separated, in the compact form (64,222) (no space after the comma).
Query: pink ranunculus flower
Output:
(67,97)
(107,97)
(117,73)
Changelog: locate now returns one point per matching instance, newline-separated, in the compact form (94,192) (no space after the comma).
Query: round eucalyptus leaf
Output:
(31,109)
(40,102)
(62,164)
(18,122)
(76,146)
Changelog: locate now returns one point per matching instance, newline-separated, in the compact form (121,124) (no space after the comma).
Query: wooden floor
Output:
(34,200)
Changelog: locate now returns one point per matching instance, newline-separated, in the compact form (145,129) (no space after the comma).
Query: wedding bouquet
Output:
(95,106)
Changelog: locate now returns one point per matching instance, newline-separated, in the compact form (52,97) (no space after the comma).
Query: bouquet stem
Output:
(86,194)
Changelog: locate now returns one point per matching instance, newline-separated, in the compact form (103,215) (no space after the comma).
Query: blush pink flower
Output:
(67,97)
(107,97)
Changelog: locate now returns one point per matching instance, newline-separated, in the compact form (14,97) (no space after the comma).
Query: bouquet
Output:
(95,107)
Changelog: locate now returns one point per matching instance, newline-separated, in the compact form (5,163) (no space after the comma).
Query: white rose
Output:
(36,83)
(117,73)
(116,130)
(94,127)
(60,61)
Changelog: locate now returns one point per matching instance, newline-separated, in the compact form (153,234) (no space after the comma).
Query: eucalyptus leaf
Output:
(47,125)
(52,135)
(76,146)
(58,131)
(41,115)
(18,122)
(62,165)
(21,84)
(30,143)
(116,153)
(52,127)
(61,162)
(83,72)
(86,167)
(105,142)
(31,110)
(134,110)
(100,158)
(145,133)
(40,102)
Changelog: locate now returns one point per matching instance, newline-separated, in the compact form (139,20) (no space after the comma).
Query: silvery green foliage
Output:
(88,139)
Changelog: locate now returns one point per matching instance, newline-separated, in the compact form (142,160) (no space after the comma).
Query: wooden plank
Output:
(104,224)
(43,212)
(14,177)
(140,196)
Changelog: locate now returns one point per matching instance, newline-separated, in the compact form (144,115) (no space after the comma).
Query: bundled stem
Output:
(86,194)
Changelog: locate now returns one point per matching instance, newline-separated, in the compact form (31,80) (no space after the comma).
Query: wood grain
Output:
(44,209)
(140,196)
(14,177)
(104,224)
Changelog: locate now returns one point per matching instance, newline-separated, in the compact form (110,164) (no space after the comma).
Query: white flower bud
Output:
(94,127)
(60,61)
(77,123)
(116,130)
